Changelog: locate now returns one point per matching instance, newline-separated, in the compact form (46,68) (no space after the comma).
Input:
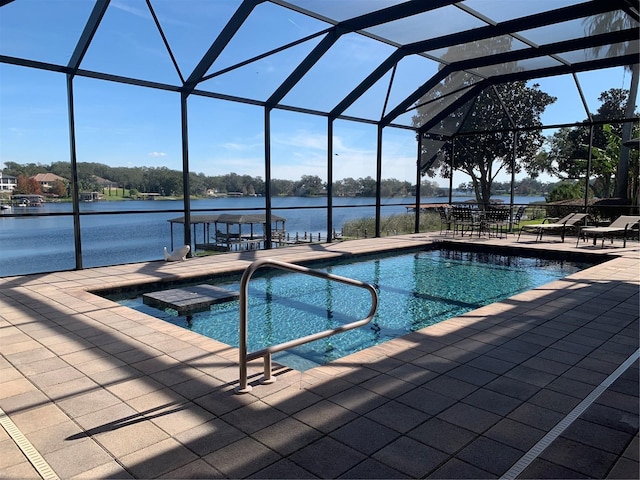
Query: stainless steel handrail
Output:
(266,352)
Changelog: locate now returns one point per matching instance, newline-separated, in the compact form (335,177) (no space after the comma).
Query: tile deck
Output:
(101,391)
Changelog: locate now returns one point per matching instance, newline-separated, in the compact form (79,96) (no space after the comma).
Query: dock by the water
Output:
(428,207)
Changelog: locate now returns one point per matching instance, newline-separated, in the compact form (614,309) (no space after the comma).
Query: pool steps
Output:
(189,300)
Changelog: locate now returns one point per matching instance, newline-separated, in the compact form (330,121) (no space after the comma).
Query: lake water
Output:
(32,244)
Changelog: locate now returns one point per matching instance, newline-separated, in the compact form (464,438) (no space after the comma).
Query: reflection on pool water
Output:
(415,290)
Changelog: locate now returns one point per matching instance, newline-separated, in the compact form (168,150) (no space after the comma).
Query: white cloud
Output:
(18,131)
(126,7)
(303,139)
(234,146)
(242,147)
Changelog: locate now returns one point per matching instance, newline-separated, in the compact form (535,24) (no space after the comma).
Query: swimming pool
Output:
(416,290)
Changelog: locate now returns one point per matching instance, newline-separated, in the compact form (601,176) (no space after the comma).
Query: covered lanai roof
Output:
(203,48)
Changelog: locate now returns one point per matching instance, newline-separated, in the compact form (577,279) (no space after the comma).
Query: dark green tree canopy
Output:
(497,112)
(568,151)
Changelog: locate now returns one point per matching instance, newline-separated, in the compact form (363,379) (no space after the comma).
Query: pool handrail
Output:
(266,352)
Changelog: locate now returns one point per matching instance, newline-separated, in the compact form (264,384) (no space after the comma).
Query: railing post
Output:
(267,379)
(243,386)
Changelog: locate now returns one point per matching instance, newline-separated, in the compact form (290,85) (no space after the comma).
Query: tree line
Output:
(167,182)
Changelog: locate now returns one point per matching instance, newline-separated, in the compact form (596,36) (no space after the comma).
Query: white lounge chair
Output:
(625,226)
(562,226)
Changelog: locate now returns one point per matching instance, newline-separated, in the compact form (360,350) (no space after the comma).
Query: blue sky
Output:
(123,125)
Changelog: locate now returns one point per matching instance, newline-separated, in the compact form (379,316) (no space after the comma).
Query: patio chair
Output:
(496,219)
(518,216)
(625,226)
(465,220)
(445,220)
(566,224)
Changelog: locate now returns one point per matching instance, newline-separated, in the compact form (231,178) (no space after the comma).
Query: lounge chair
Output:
(571,222)
(625,226)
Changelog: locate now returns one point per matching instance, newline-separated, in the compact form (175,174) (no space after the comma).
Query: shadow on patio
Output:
(465,398)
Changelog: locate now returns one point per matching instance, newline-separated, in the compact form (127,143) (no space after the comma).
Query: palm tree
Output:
(609,22)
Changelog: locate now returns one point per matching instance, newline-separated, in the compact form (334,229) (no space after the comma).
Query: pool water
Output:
(415,289)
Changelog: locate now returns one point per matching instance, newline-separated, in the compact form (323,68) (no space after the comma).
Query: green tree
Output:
(606,159)
(12,168)
(368,186)
(87,183)
(392,187)
(347,187)
(28,169)
(165,181)
(197,183)
(484,156)
(216,183)
(62,169)
(257,184)
(568,152)
(529,186)
(309,185)
(465,187)
(566,191)
(233,182)
(281,187)
(338,188)
(610,22)
(430,188)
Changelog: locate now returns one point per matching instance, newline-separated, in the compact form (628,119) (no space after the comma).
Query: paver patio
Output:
(102,391)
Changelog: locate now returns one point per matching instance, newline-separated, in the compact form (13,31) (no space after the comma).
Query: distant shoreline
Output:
(114,198)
